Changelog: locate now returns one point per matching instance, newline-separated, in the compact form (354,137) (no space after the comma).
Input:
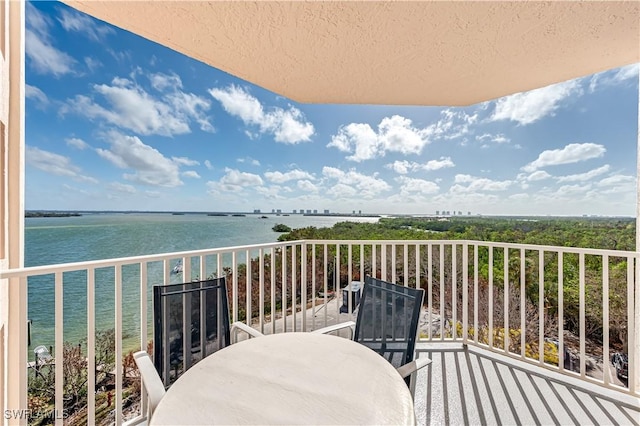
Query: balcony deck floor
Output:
(474,386)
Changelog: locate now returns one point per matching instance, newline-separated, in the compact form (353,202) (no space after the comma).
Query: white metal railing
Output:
(480,293)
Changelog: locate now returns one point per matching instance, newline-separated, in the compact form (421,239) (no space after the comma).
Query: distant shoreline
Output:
(50,214)
(75,213)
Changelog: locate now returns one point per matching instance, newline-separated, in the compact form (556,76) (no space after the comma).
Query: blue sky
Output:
(116,122)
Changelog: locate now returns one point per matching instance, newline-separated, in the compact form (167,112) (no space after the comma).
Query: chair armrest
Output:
(336,327)
(413,366)
(240,326)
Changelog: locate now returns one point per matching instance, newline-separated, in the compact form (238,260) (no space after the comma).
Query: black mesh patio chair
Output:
(190,322)
(387,322)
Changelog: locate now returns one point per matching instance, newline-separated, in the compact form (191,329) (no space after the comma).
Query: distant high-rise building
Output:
(279,211)
(448,213)
(469,213)
(315,211)
(295,211)
(256,210)
(308,211)
(326,211)
(459,213)
(437,212)
(359,211)
(273,210)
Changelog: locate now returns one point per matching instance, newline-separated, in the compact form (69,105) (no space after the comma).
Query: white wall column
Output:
(13,294)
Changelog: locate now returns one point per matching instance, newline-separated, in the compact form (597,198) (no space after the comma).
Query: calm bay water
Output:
(105,236)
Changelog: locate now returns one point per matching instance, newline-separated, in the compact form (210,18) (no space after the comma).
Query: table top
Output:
(289,378)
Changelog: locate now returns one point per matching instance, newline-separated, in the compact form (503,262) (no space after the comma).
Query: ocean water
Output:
(113,235)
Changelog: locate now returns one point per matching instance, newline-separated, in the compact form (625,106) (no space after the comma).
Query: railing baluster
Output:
(143,334)
(605,318)
(541,306)
(294,287)
(248,285)
(454,291)
(284,288)
(59,349)
(523,295)
(405,271)
(430,286)
(490,312)
(303,285)
(506,332)
(261,289)
(326,281)
(91,347)
(118,333)
(631,327)
(273,290)
(475,293)
(394,261)
(442,291)
(313,286)
(465,292)
(583,364)
(561,310)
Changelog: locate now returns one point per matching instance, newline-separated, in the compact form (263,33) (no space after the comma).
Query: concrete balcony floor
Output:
(474,386)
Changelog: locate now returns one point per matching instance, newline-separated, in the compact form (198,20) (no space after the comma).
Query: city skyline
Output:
(116,122)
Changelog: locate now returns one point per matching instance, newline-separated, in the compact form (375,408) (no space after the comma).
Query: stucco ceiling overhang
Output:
(390,52)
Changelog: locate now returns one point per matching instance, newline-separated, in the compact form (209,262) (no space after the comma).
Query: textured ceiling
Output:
(391,52)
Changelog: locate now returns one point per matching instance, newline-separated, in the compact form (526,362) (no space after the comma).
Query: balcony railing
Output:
(554,307)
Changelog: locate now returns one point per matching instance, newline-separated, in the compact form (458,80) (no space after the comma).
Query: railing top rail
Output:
(63,267)
(533,247)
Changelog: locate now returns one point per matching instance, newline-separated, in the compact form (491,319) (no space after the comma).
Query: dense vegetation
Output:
(596,233)
(603,233)
(280,227)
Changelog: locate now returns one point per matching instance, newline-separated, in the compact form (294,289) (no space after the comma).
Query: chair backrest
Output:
(388,318)
(190,322)
(150,380)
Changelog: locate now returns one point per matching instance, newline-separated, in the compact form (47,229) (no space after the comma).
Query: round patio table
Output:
(289,378)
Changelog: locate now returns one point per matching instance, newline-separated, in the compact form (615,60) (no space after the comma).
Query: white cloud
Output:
(208,164)
(467,183)
(571,153)
(279,177)
(122,187)
(235,180)
(184,161)
(538,175)
(162,82)
(488,137)
(249,160)
(442,163)
(529,107)
(191,174)
(77,143)
(352,182)
(307,186)
(91,63)
(43,56)
(55,164)
(131,107)
(403,167)
(149,166)
(617,180)
(398,134)
(410,186)
(614,77)
(37,95)
(287,126)
(394,134)
(77,22)
(582,177)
